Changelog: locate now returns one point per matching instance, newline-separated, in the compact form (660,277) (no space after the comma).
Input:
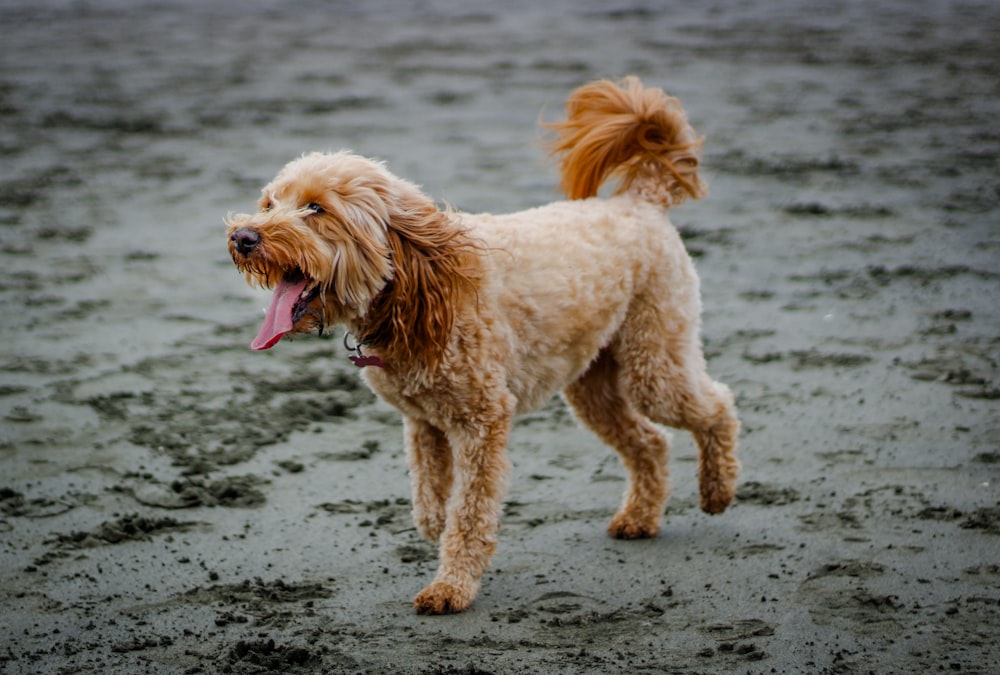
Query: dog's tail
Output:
(637,134)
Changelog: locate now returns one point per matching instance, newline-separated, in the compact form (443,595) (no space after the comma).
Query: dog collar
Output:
(358,358)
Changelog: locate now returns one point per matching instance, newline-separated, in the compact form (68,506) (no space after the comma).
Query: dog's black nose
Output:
(245,240)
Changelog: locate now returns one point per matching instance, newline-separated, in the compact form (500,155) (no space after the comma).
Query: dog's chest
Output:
(413,399)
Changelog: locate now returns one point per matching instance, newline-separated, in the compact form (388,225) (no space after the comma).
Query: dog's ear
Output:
(435,273)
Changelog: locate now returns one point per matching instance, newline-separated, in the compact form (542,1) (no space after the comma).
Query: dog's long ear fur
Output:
(639,135)
(435,273)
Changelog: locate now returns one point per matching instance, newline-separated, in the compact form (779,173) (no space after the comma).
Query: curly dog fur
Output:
(470,319)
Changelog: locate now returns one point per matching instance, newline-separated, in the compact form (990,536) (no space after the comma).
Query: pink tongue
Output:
(278,319)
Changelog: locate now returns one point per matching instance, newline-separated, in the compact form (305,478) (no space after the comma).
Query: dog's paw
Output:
(626,526)
(715,498)
(430,528)
(443,598)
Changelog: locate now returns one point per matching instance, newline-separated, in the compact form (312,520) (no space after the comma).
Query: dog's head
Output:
(340,239)
(319,240)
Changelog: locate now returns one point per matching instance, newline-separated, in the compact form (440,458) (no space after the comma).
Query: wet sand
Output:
(171,502)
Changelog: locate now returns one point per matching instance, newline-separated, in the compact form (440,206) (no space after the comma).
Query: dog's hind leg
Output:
(664,374)
(600,403)
(429,457)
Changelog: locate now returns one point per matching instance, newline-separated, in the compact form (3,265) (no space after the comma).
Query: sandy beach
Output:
(172,502)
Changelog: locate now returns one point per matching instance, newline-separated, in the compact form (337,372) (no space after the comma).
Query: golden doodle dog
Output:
(463,321)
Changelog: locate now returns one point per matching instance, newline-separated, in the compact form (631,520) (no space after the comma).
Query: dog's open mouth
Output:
(290,301)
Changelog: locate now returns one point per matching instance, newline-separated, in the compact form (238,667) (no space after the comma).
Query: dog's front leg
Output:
(430,459)
(481,469)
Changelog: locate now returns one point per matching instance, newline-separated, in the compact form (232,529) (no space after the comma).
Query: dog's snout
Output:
(245,240)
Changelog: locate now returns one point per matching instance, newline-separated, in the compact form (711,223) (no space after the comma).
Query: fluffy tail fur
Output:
(637,134)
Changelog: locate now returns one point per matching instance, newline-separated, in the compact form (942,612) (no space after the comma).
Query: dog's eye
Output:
(266,206)
(314,208)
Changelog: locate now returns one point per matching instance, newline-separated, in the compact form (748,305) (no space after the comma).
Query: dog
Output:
(462,321)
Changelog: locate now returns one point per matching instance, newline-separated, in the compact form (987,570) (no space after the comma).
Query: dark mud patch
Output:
(843,284)
(758,294)
(813,358)
(77,234)
(843,593)
(189,492)
(873,280)
(970,368)
(940,370)
(808,359)
(737,639)
(762,494)
(984,519)
(557,611)
(14,503)
(367,450)
(303,380)
(23,414)
(985,394)
(580,623)
(942,513)
(191,428)
(785,167)
(946,322)
(925,275)
(766,357)
(262,603)
(140,643)
(199,438)
(253,593)
(698,241)
(537,514)
(742,337)
(574,615)
(953,315)
(111,406)
(266,656)
(853,515)
(739,630)
(291,465)
(852,211)
(858,569)
(841,456)
(416,553)
(393,515)
(125,529)
(43,366)
(204,428)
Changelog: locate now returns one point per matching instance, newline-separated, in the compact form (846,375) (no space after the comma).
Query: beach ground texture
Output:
(171,502)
